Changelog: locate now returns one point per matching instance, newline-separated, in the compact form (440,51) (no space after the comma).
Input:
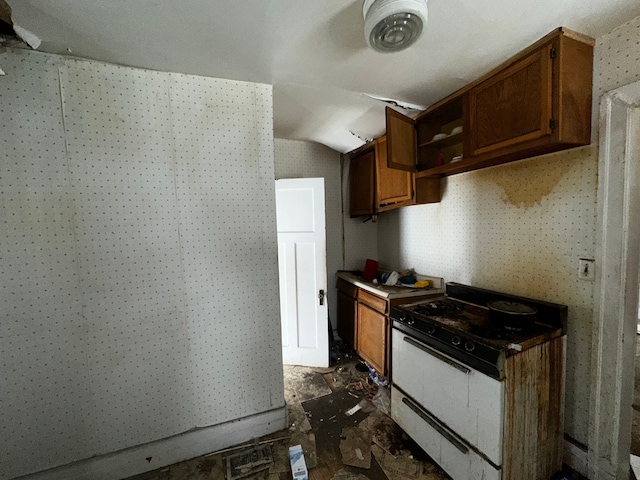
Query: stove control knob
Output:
(431,329)
(469,346)
(403,317)
(411,321)
(455,340)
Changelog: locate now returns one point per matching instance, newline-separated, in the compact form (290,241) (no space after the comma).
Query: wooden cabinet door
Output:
(347,311)
(361,184)
(514,106)
(372,337)
(401,141)
(393,186)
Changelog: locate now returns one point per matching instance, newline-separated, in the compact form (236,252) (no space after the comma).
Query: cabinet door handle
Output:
(431,420)
(436,354)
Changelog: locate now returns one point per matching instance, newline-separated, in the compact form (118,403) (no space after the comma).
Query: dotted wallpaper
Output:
(118,126)
(518,228)
(617,60)
(297,159)
(139,264)
(521,228)
(45,394)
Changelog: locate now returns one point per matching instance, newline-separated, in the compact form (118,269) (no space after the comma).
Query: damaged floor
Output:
(337,415)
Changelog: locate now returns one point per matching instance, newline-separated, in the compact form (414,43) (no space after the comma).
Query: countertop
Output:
(391,292)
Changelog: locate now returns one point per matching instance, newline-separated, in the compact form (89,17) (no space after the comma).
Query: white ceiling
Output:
(313,52)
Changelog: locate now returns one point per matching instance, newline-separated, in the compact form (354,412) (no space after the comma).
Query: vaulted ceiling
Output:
(313,52)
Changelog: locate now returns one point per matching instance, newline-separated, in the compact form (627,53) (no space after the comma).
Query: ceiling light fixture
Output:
(393,25)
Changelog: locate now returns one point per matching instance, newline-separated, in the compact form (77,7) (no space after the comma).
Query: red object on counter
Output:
(370,270)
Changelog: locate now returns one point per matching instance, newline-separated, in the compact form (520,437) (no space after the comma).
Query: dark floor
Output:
(364,445)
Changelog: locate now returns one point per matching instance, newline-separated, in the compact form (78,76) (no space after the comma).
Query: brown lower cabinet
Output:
(363,322)
(373,327)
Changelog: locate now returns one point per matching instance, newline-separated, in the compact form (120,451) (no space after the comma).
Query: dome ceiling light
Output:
(393,25)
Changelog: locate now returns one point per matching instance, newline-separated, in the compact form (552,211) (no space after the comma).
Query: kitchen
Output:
(495,228)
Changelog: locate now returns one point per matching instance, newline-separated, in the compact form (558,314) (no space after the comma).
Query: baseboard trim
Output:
(200,441)
(575,455)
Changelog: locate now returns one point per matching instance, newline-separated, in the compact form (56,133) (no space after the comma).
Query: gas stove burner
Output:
(440,308)
(490,333)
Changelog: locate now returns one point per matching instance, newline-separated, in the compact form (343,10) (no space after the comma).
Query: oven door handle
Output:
(441,429)
(436,354)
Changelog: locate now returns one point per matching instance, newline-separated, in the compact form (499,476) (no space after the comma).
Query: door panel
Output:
(307,295)
(302,271)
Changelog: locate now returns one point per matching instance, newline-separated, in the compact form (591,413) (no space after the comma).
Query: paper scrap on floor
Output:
(298,464)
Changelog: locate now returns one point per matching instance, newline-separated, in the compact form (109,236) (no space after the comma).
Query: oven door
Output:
(449,451)
(467,402)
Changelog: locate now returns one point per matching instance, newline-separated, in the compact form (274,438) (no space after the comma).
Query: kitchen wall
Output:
(522,228)
(297,159)
(139,295)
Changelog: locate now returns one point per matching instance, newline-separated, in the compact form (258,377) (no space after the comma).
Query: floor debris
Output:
(384,432)
(298,420)
(401,464)
(308,442)
(248,462)
(305,384)
(353,410)
(298,465)
(317,401)
(355,447)
(345,475)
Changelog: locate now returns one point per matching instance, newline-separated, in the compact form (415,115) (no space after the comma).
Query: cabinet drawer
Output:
(347,288)
(379,304)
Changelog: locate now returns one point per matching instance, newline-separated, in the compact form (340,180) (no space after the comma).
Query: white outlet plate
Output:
(587,269)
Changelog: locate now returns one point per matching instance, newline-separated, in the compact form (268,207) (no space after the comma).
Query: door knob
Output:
(321,296)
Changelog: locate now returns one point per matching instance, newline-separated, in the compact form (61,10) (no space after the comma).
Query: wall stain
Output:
(526,184)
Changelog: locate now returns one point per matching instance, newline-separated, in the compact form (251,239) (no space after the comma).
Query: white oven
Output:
(454,412)
(481,393)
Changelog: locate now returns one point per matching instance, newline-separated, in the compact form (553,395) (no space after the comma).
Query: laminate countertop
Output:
(436,286)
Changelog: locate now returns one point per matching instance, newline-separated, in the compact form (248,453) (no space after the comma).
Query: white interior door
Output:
(302,263)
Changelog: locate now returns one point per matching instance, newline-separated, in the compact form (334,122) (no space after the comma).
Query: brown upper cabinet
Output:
(362,193)
(375,188)
(393,187)
(537,102)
